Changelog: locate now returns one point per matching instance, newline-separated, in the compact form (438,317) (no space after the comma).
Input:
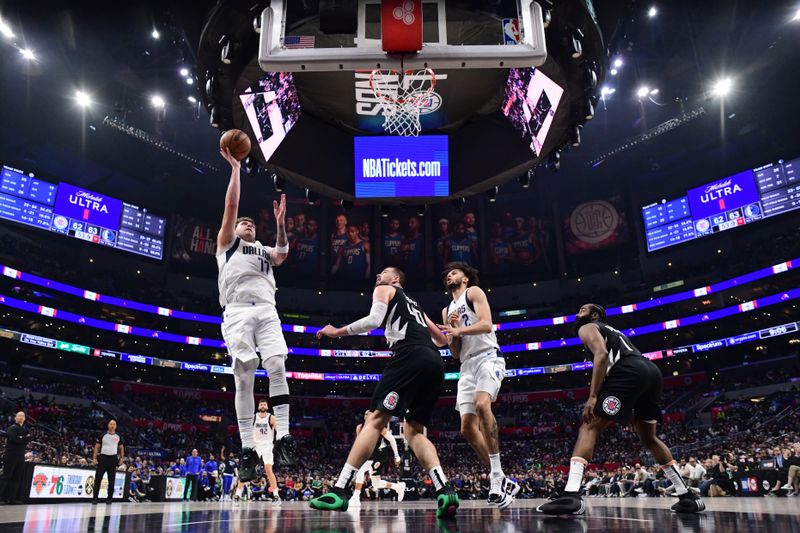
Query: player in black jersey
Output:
(625,387)
(409,388)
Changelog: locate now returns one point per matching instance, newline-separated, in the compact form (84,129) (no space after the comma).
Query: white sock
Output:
(494,463)
(576,468)
(346,476)
(281,420)
(438,477)
(246,432)
(673,475)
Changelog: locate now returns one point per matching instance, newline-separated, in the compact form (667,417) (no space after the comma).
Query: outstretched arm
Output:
(380,303)
(281,250)
(228,227)
(438,338)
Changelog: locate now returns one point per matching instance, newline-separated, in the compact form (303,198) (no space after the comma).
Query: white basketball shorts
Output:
(479,373)
(250,327)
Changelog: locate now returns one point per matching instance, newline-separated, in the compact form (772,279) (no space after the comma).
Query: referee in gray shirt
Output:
(108,453)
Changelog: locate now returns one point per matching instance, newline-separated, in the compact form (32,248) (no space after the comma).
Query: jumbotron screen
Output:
(272,107)
(729,202)
(80,213)
(531,101)
(393,167)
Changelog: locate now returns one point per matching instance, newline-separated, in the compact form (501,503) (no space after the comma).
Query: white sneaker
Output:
(786,487)
(496,491)
(355,501)
(510,490)
(276,501)
(400,489)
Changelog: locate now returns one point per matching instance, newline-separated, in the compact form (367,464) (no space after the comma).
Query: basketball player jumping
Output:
(625,385)
(409,387)
(468,325)
(263,436)
(375,464)
(250,322)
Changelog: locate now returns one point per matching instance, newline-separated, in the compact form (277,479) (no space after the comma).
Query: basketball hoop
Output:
(402,95)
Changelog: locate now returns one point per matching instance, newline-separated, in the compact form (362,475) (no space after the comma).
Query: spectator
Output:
(17,438)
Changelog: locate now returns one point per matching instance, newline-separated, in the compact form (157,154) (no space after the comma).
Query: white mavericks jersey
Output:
(245,273)
(263,434)
(471,345)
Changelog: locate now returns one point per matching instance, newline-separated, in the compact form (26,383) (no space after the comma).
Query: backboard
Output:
(454,37)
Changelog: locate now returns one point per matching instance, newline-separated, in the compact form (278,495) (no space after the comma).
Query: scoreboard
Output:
(80,213)
(724,204)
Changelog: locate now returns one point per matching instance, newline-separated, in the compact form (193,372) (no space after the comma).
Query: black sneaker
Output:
(568,503)
(689,503)
(285,451)
(335,500)
(247,469)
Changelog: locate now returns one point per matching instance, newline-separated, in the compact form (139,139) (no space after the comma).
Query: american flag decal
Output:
(298,41)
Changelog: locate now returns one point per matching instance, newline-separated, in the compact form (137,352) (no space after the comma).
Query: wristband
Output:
(282,249)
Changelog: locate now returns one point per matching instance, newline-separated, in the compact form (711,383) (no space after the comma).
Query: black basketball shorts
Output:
(632,390)
(411,384)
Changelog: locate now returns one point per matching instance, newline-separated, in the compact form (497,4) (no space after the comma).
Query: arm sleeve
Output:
(371,321)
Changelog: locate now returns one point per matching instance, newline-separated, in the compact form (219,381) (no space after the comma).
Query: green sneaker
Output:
(448,502)
(335,500)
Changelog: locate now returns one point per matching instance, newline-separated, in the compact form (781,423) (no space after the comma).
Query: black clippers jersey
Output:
(404,324)
(617,344)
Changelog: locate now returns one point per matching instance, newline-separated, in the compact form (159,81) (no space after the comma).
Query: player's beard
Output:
(264,410)
(582,321)
(453,285)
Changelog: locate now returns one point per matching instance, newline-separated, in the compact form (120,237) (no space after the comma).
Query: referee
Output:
(17,438)
(111,453)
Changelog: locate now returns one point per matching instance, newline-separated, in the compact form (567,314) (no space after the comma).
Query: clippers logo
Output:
(390,402)
(405,13)
(612,405)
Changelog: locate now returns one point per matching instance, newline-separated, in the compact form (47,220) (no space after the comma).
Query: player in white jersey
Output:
(250,322)
(468,326)
(375,465)
(264,436)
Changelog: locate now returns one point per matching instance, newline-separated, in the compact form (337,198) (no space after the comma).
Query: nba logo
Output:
(511,31)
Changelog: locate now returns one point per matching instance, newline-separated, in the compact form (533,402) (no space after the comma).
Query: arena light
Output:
(643,91)
(189,81)
(6,30)
(214,116)
(154,34)
(385,211)
(421,210)
(652,12)
(588,108)
(184,71)
(28,54)
(575,136)
(491,193)
(653,92)
(617,62)
(576,48)
(614,72)
(157,101)
(796,15)
(607,91)
(83,99)
(192,99)
(722,87)
(279,183)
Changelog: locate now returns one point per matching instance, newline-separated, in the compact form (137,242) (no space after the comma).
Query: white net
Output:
(403,95)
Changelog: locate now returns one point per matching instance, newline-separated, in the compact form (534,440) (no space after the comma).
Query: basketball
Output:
(237,142)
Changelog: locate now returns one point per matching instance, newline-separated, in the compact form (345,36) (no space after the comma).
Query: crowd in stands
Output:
(742,434)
